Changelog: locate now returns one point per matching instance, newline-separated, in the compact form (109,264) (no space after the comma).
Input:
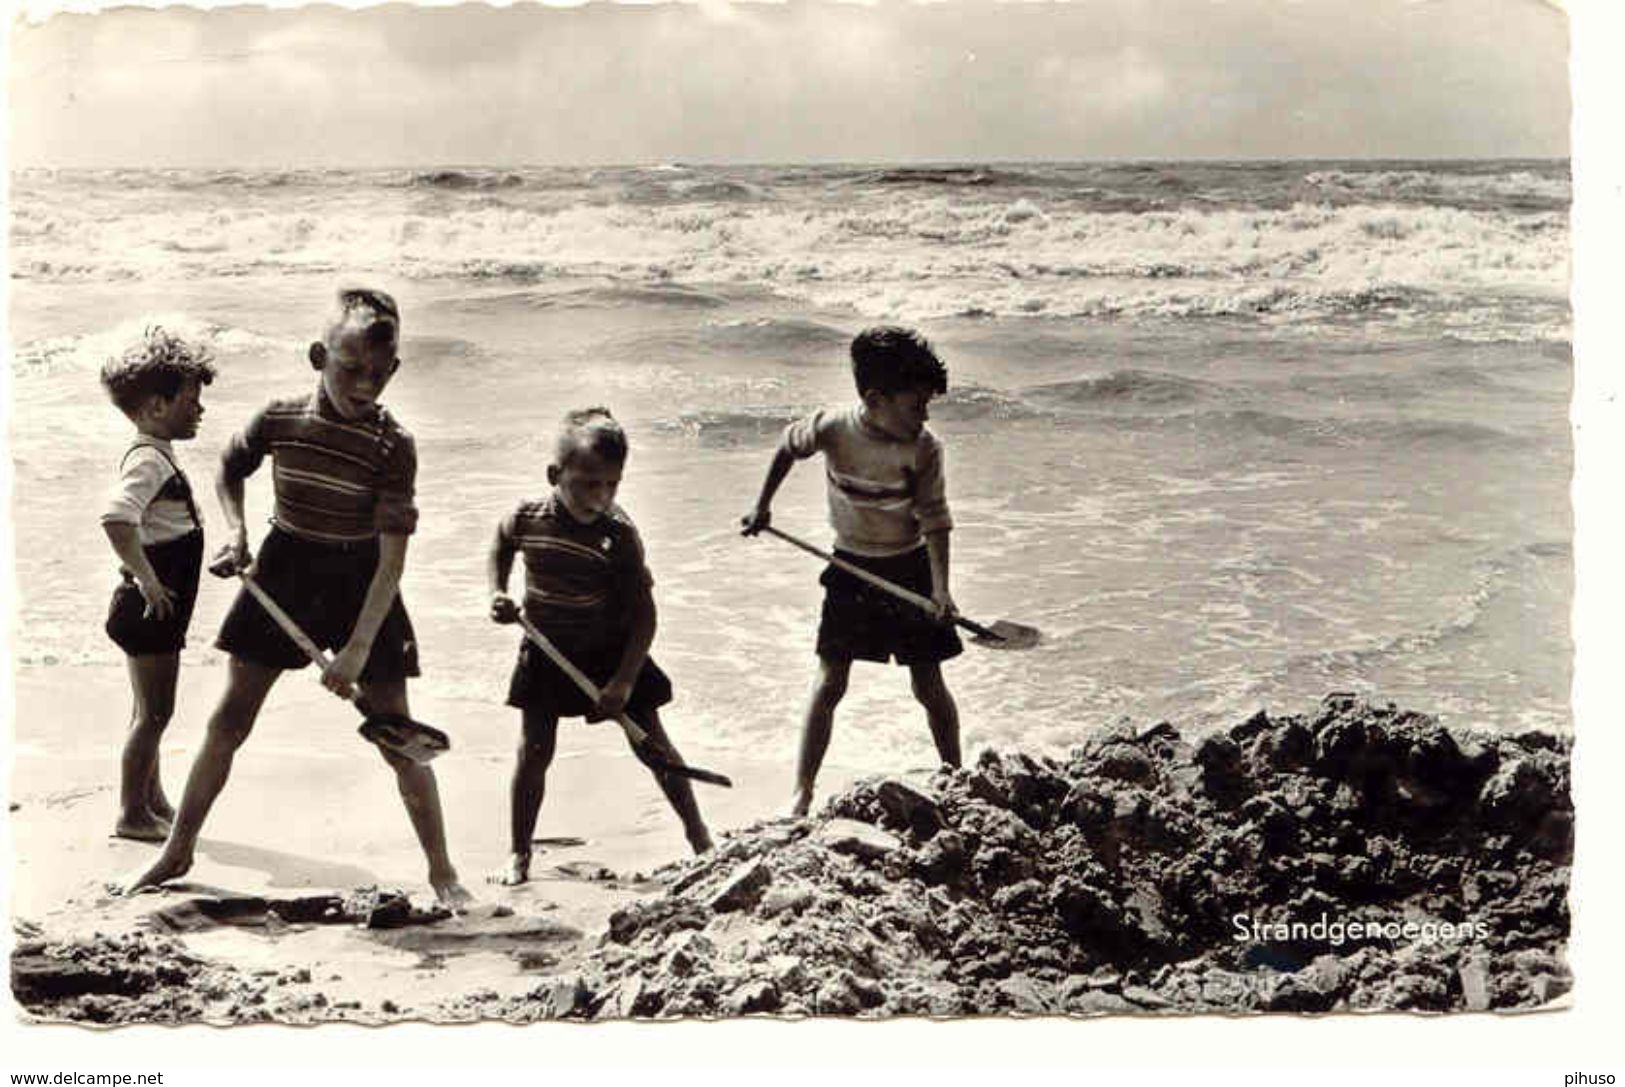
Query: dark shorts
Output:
(322,587)
(538,684)
(861,622)
(177,563)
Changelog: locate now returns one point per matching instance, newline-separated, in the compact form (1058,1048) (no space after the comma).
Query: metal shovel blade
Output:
(1004,634)
(405,737)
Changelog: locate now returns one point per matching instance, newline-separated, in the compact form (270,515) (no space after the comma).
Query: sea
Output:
(1232,435)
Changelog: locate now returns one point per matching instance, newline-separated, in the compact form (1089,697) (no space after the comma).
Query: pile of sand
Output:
(1141,874)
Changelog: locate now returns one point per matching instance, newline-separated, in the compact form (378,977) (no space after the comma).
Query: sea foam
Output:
(910,243)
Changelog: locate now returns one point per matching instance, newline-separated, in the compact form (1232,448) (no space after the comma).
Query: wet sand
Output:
(1107,884)
(311,814)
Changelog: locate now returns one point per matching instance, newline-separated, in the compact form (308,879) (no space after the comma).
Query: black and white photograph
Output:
(793,511)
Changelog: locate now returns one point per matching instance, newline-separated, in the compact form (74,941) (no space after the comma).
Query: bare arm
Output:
(931,509)
(640,636)
(126,541)
(240,459)
(498,567)
(386,579)
(936,546)
(228,491)
(761,516)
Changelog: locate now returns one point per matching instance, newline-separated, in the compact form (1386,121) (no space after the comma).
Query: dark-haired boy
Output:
(889,508)
(344,477)
(588,590)
(153,525)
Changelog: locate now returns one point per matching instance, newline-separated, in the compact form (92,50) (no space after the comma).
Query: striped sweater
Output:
(579,578)
(883,492)
(337,480)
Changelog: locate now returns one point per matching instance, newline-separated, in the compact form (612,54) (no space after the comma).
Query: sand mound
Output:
(1355,859)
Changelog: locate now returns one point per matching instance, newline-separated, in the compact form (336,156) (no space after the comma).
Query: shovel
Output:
(1003,634)
(645,748)
(395,732)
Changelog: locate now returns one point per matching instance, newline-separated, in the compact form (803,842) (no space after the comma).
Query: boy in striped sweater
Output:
(343,472)
(587,589)
(889,508)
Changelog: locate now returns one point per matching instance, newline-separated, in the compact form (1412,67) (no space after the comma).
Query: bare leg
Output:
(679,792)
(421,795)
(246,687)
(157,800)
(152,684)
(940,711)
(529,785)
(828,690)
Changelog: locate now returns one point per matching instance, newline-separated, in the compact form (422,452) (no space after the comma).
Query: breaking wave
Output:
(910,242)
(459,180)
(86,352)
(730,428)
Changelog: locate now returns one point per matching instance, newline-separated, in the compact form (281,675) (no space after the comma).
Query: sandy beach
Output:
(311,810)
(1108,882)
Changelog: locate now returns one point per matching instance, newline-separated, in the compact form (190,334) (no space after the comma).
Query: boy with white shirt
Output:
(889,509)
(152,522)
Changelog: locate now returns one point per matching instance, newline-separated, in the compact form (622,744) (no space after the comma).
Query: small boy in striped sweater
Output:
(588,591)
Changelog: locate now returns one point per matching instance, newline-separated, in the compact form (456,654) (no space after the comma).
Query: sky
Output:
(806,81)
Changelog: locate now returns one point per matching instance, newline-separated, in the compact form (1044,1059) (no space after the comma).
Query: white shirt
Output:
(883,492)
(145,496)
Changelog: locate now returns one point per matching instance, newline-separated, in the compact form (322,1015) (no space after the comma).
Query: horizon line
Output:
(969,163)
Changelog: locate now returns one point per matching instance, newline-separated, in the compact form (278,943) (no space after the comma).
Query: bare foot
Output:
(452,895)
(512,874)
(149,828)
(163,869)
(159,805)
(700,842)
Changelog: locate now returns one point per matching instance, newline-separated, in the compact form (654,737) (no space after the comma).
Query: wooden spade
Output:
(394,732)
(1003,634)
(650,753)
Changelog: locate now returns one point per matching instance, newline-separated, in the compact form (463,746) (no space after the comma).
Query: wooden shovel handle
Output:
(317,656)
(881,583)
(646,749)
(634,732)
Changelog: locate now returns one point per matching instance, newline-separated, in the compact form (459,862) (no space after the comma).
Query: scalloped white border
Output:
(1526,1049)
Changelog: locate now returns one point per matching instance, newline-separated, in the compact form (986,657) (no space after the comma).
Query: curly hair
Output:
(593,430)
(889,359)
(160,363)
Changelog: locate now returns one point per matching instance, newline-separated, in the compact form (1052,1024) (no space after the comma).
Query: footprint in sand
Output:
(590,871)
(515,875)
(602,875)
(69,797)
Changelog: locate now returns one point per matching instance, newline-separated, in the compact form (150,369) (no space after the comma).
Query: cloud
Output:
(1126,81)
(809,80)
